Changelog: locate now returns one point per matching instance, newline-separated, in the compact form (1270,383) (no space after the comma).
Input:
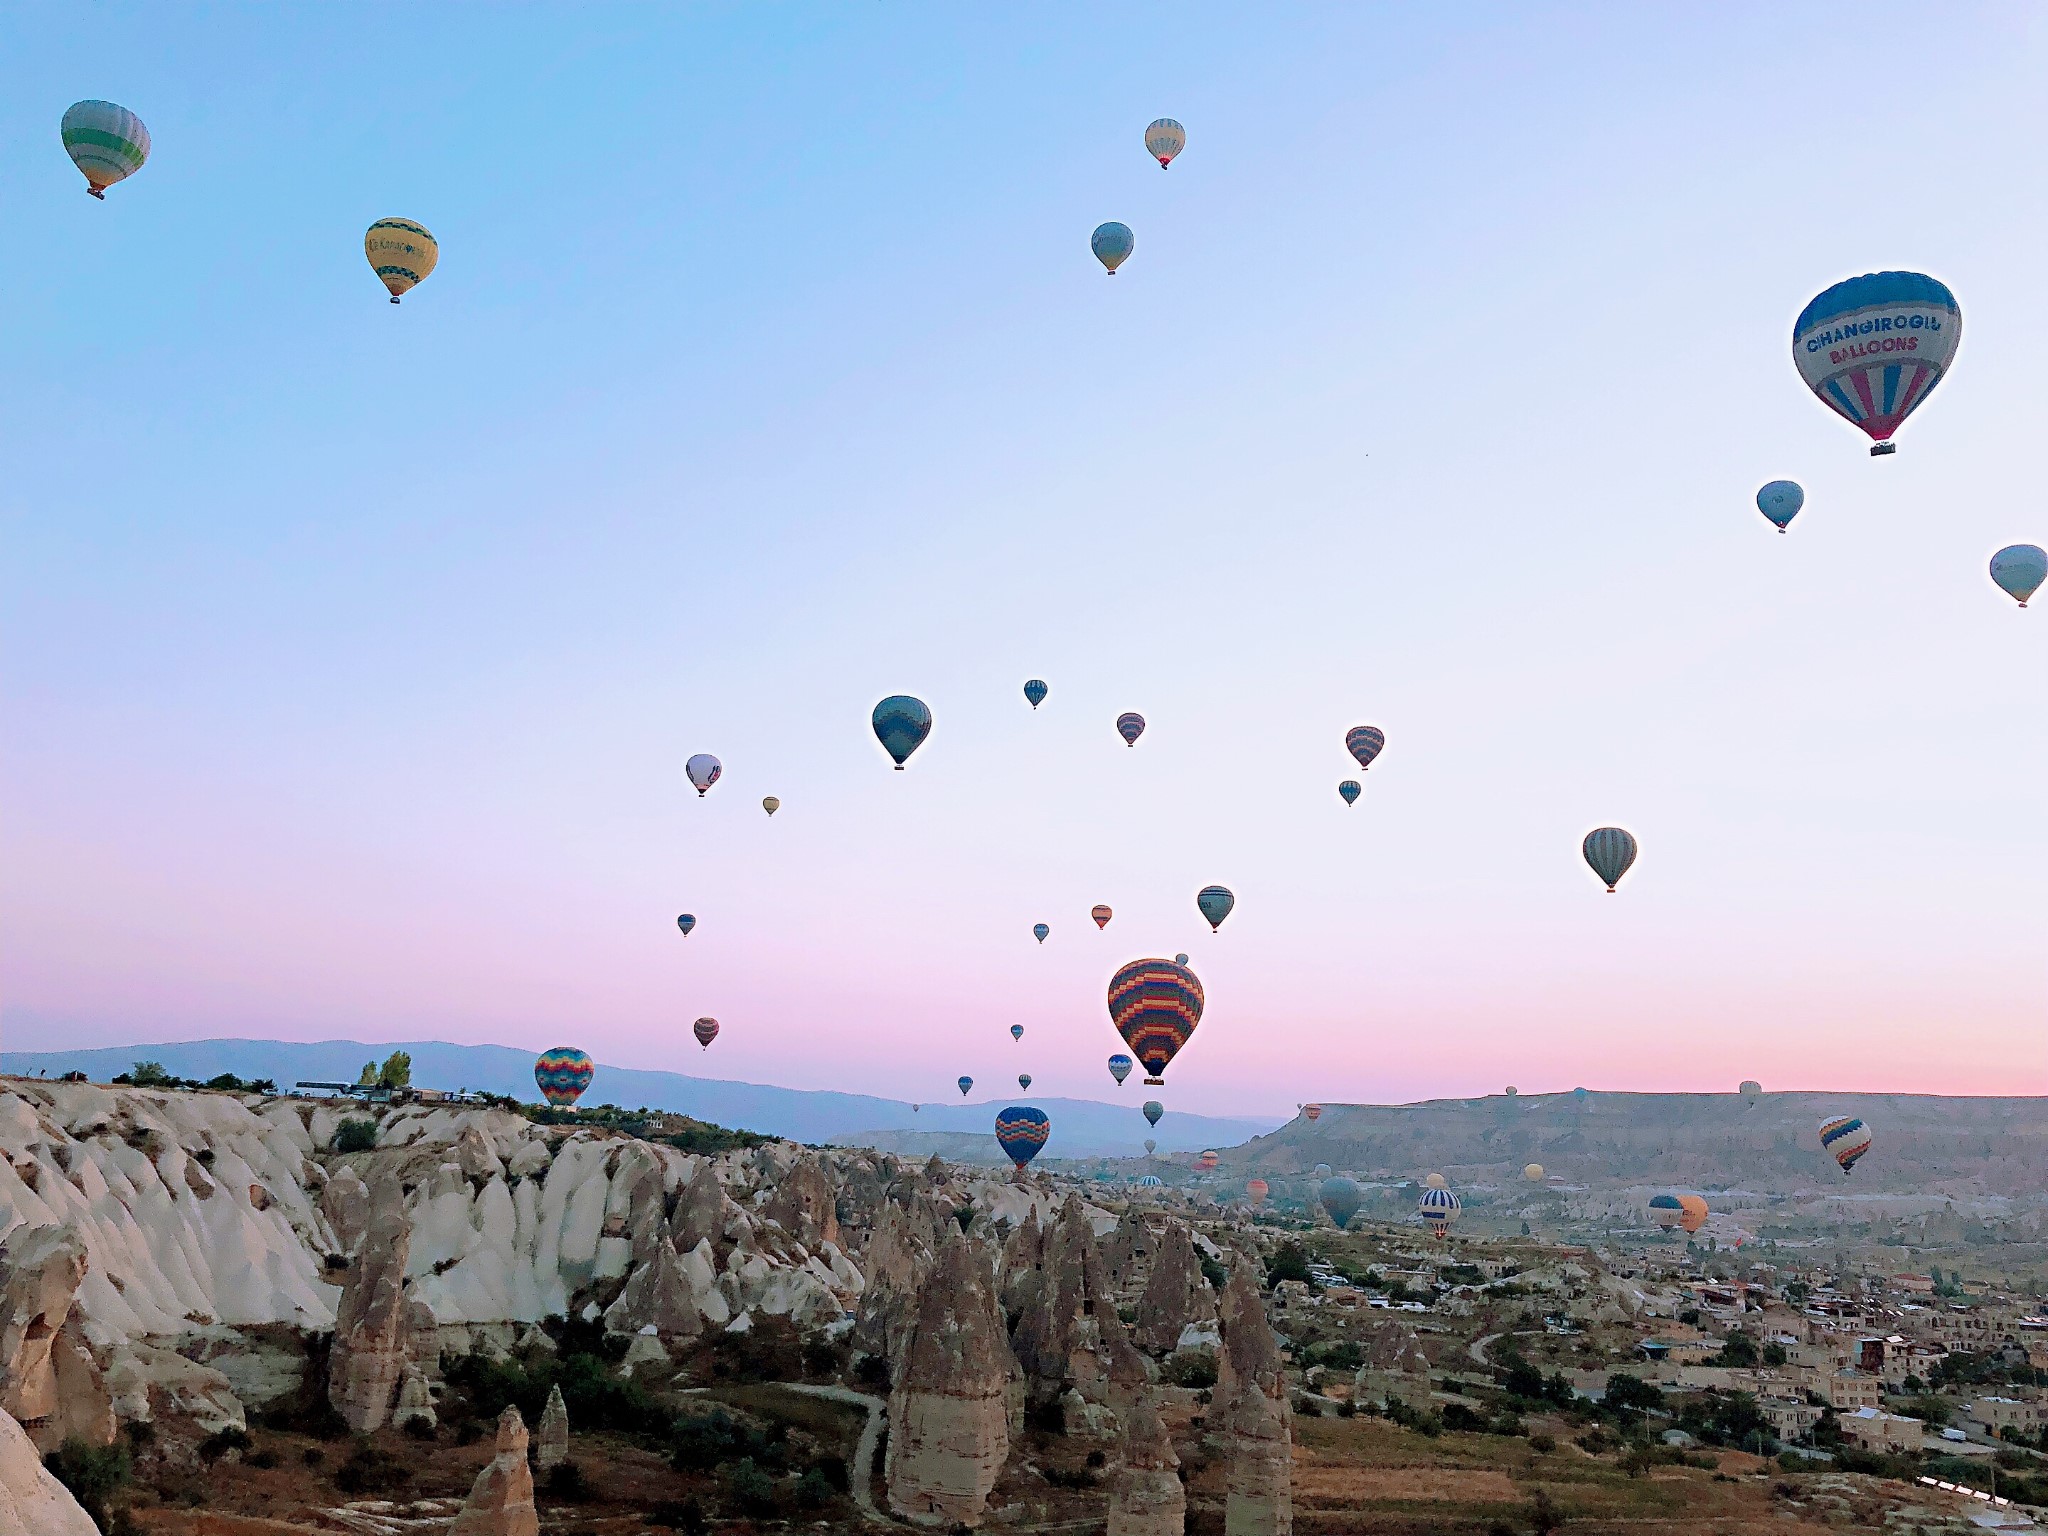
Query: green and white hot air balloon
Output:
(107,143)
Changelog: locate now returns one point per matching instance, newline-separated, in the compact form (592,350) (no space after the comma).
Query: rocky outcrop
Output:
(41,1269)
(700,1215)
(803,1205)
(1176,1294)
(345,1202)
(1130,1252)
(372,1334)
(894,1266)
(32,1502)
(948,1418)
(551,1443)
(660,1299)
(500,1503)
(1250,1413)
(415,1400)
(1068,1334)
(1146,1497)
(1395,1369)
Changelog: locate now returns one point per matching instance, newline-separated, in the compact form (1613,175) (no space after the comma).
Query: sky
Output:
(350,654)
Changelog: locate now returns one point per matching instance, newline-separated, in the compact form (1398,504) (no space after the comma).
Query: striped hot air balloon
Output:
(1846,1139)
(1130,725)
(1258,1189)
(562,1074)
(686,921)
(402,254)
(1214,903)
(1312,1112)
(1101,913)
(1035,692)
(1873,347)
(1208,1160)
(1439,1208)
(1119,1067)
(106,142)
(1021,1132)
(1164,138)
(1155,1005)
(901,724)
(1610,851)
(1350,790)
(1365,742)
(1151,1180)
(706,1031)
(1665,1210)
(966,1086)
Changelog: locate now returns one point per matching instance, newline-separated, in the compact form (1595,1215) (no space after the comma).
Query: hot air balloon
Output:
(1153,1110)
(1208,1160)
(401,253)
(966,1085)
(1365,742)
(1040,932)
(1119,1067)
(706,1031)
(1112,243)
(1024,1081)
(1874,347)
(1151,1180)
(1021,1132)
(1533,1172)
(1214,903)
(562,1074)
(1016,1031)
(1692,1213)
(1350,789)
(107,143)
(1155,1005)
(1130,725)
(901,725)
(1436,1181)
(770,804)
(1610,851)
(703,771)
(1439,1209)
(1151,1146)
(1322,1170)
(1258,1189)
(1780,501)
(1180,959)
(1341,1197)
(1035,691)
(1751,1088)
(1312,1112)
(2019,570)
(1666,1211)
(1101,914)
(1164,138)
(1511,1090)
(686,921)
(1846,1138)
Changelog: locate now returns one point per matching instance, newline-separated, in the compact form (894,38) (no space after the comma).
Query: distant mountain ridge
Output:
(1081,1127)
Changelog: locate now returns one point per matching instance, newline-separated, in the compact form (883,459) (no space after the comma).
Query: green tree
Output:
(149,1074)
(1738,1349)
(396,1071)
(368,1079)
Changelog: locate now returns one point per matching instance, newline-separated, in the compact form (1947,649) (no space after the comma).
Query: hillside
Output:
(1081,1127)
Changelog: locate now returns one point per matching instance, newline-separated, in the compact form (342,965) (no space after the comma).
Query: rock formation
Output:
(660,1298)
(551,1447)
(1176,1293)
(345,1202)
(803,1205)
(41,1269)
(415,1400)
(372,1336)
(1068,1332)
(949,1428)
(1146,1497)
(895,1263)
(700,1216)
(1250,1413)
(32,1502)
(500,1503)
(1395,1369)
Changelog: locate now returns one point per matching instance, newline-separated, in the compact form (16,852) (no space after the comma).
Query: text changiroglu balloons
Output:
(401,253)
(2018,570)
(901,725)
(106,142)
(562,1074)
(1022,1132)
(1164,138)
(1112,244)
(1610,851)
(1780,501)
(1873,347)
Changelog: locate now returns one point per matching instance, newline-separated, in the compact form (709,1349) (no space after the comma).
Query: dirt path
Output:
(862,1471)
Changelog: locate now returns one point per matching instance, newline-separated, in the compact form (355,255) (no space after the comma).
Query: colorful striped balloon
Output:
(1022,1132)
(106,142)
(1365,742)
(1258,1189)
(1155,1005)
(706,1031)
(1130,725)
(401,253)
(1846,1139)
(1873,347)
(1101,913)
(562,1074)
(1439,1208)
(1610,851)
(901,725)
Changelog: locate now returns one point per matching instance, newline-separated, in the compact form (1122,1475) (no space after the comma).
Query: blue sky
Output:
(349,654)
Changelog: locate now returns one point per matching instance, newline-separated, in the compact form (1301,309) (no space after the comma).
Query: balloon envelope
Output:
(1101,914)
(1258,1189)
(1312,1112)
(1016,1031)
(1873,347)
(1533,1172)
(106,142)
(901,725)
(770,804)
(1035,691)
(2019,570)
(1365,742)
(1024,1081)
(1164,138)
(1780,501)
(1153,1110)
(1610,851)
(1155,1005)
(703,771)
(686,921)
(966,1083)
(1150,1180)
(401,253)
(1021,1132)
(1208,1160)
(1439,1208)
(1436,1181)
(1180,959)
(1845,1138)
(1112,243)
(1692,1213)
(1341,1197)
(562,1074)
(1350,789)
(1040,932)
(1151,1146)
(706,1031)
(1665,1210)
(1751,1088)
(1130,725)
(1214,903)
(1119,1067)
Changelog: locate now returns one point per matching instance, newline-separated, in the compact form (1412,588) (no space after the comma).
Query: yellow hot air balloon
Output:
(1437,1181)
(770,804)
(1533,1173)
(401,253)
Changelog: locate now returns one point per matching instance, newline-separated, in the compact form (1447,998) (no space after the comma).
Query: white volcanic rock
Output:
(661,1299)
(41,1269)
(949,1431)
(1251,1413)
(372,1334)
(32,1502)
(551,1443)
(500,1503)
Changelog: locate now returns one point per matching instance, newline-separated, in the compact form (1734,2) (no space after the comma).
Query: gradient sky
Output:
(351,654)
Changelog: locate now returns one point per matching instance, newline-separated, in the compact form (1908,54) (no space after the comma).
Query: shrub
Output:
(1457,1416)
(812,1491)
(565,1481)
(1421,1420)
(685,1517)
(1064,1477)
(1193,1368)
(822,1357)
(1047,1418)
(218,1444)
(752,1491)
(702,1442)
(93,1473)
(1307,1407)
(1542,1444)
(355,1135)
(872,1371)
(312,1455)
(1347,1409)
(419,1426)
(148,1074)
(369,1470)
(1288,1263)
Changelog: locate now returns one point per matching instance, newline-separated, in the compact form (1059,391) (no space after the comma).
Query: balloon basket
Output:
(1879,449)
(98,192)
(1155,1082)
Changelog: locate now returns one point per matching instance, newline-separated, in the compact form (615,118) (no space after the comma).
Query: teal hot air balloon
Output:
(1035,691)
(1022,1132)
(1120,1067)
(1024,1081)
(1180,959)
(686,921)
(1016,1031)
(1112,243)
(107,143)
(1780,501)
(1341,1197)
(901,725)
(1151,1146)
(1350,789)
(2019,570)
(1214,903)
(966,1086)
(562,1074)
(1040,931)
(1610,851)
(1153,1110)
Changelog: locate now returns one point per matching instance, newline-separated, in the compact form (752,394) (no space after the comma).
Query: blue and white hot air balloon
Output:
(901,724)
(2019,570)
(1873,347)
(1119,1067)
(1112,244)
(1350,790)
(1035,692)
(966,1086)
(1780,501)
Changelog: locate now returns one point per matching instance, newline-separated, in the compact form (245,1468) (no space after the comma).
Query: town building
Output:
(1876,1430)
